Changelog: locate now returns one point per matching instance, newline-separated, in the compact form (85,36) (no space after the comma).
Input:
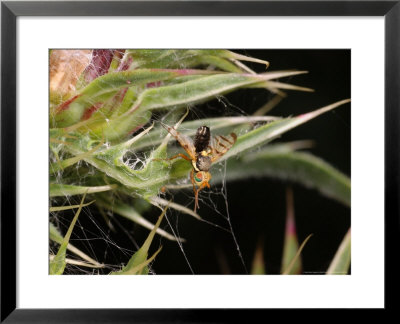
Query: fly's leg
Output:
(196,193)
(196,201)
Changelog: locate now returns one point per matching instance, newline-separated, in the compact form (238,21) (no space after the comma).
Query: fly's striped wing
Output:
(221,145)
(185,141)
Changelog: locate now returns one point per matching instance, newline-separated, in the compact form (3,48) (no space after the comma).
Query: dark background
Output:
(257,207)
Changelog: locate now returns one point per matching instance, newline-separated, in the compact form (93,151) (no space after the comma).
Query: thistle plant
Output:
(109,148)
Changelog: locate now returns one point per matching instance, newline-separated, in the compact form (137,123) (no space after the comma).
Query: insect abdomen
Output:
(202,139)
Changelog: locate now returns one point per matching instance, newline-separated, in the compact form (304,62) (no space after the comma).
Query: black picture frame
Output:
(390,10)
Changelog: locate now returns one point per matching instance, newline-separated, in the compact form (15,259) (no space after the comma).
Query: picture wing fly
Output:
(221,145)
(185,141)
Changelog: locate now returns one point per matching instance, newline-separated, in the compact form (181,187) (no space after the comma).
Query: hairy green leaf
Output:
(56,236)
(289,268)
(341,261)
(258,264)
(60,190)
(219,125)
(104,87)
(138,262)
(130,213)
(300,167)
(57,265)
(291,244)
(274,129)
(222,59)
(182,94)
